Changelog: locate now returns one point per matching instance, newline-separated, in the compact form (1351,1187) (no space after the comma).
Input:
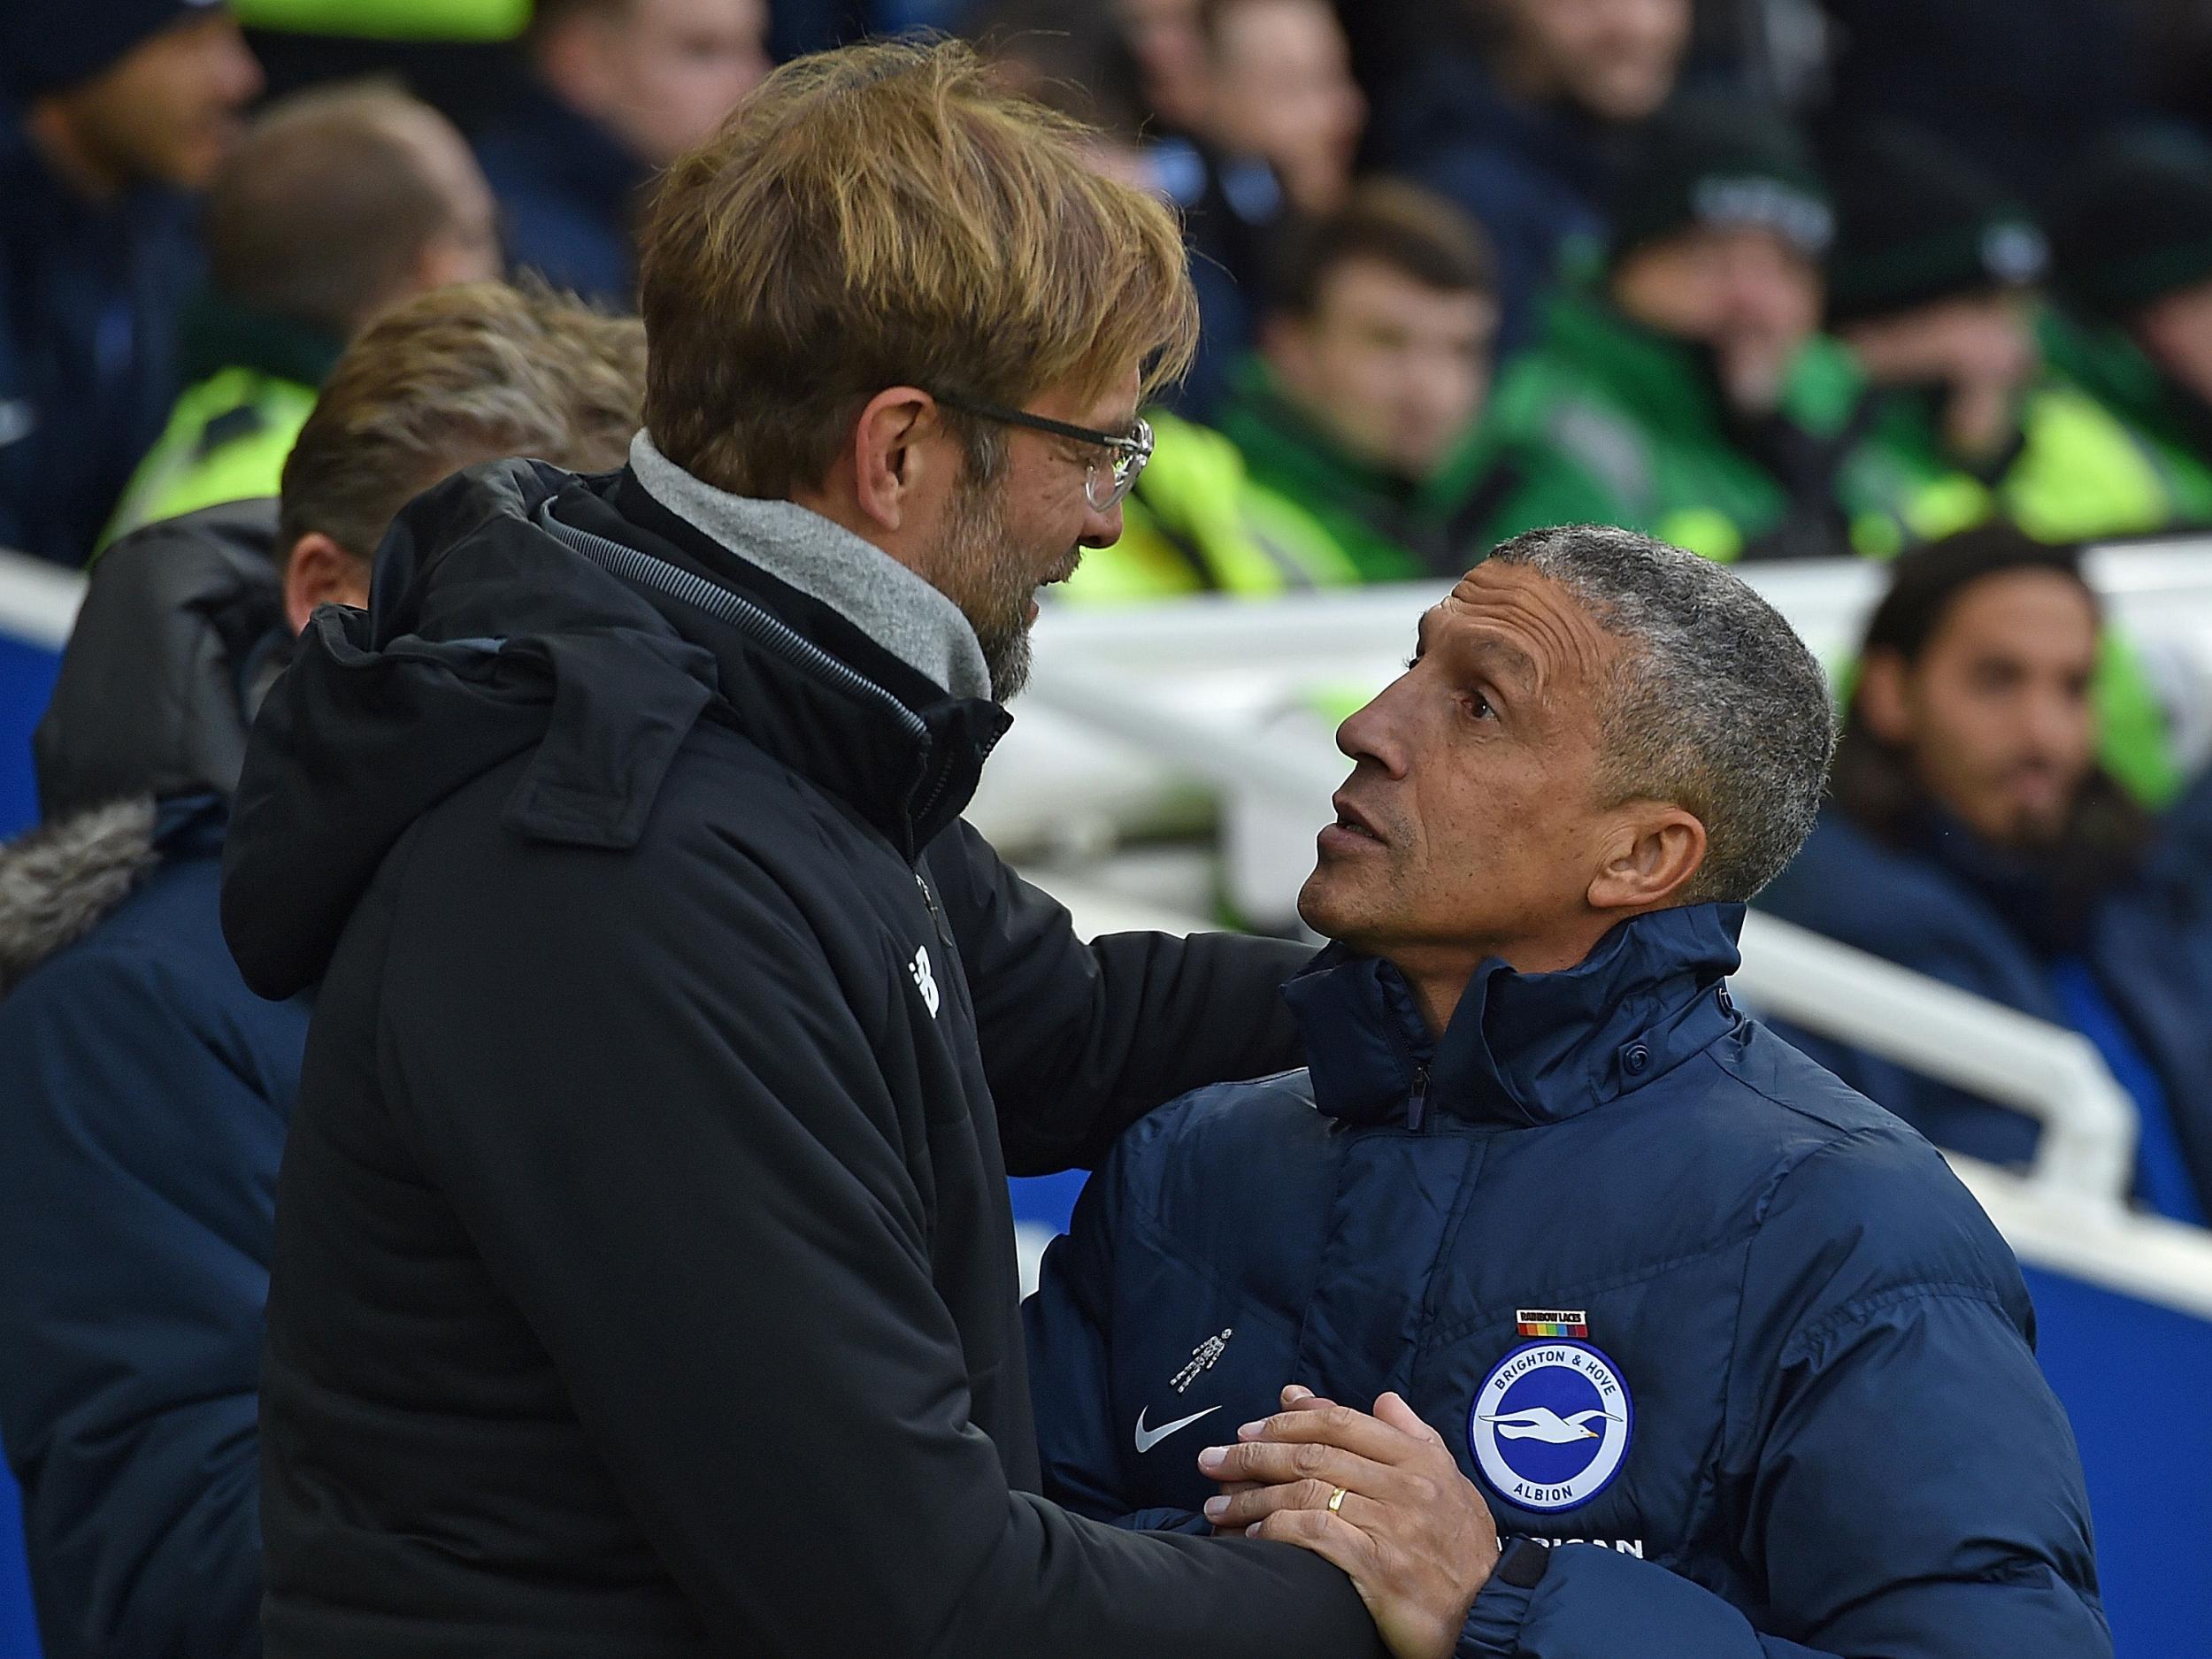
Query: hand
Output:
(1412,1533)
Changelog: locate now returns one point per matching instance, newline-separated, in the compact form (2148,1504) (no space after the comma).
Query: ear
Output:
(1656,851)
(321,572)
(893,472)
(1881,697)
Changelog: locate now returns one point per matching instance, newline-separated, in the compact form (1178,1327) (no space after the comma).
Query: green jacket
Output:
(2079,474)
(1609,422)
(253,381)
(1197,523)
(1391,528)
(2170,431)
(1612,424)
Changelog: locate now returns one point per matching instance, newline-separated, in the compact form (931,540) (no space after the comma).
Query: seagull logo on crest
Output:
(1542,1423)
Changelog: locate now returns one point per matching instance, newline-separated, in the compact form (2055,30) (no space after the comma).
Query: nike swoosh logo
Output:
(1146,1439)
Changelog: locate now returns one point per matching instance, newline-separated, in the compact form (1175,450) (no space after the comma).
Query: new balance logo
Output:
(925,981)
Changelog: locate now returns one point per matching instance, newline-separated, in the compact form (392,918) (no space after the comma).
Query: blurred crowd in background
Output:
(1766,278)
(1922,280)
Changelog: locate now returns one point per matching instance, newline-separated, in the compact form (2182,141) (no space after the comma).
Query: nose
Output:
(1371,735)
(2057,727)
(1101,529)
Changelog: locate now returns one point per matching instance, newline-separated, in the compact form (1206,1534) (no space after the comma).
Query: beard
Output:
(993,588)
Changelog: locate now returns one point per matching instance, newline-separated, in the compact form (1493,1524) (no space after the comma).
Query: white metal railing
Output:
(2086,1151)
(38,601)
(2056,1076)
(2062,1221)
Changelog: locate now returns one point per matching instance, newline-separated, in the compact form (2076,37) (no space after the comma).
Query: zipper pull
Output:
(936,915)
(1418,1103)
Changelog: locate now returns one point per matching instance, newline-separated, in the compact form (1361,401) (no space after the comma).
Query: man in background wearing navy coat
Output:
(108,119)
(620,89)
(1974,837)
(1616,1267)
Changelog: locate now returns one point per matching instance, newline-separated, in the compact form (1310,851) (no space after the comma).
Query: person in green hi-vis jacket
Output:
(2131,233)
(1684,389)
(339,204)
(1361,404)
(1348,450)
(1933,284)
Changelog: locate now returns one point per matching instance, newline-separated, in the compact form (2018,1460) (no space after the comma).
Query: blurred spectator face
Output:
(169,112)
(1979,339)
(1617,58)
(1283,90)
(2177,331)
(1169,47)
(1995,715)
(1981,347)
(659,74)
(1743,290)
(1393,369)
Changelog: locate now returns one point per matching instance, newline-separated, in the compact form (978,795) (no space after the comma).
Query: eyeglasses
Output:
(1106,483)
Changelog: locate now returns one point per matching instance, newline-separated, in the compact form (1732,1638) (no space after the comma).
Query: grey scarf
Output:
(861,582)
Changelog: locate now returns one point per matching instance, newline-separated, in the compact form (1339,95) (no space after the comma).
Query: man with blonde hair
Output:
(148,1089)
(645,1280)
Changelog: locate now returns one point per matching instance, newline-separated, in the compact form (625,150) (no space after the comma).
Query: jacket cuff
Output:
(1494,1622)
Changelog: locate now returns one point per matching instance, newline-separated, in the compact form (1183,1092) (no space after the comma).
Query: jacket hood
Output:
(519,608)
(60,881)
(1522,1048)
(181,630)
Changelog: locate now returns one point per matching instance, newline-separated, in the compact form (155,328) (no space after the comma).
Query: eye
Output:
(1478,707)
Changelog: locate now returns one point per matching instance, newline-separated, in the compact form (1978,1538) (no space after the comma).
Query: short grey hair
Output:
(1717,706)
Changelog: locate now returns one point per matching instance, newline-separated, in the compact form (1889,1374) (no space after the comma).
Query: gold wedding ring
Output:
(1336,1501)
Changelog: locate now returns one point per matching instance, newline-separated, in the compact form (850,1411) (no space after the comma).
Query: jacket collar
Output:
(807,682)
(1522,1048)
(889,603)
(219,333)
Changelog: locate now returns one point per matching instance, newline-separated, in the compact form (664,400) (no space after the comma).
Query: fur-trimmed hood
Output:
(57,882)
(180,631)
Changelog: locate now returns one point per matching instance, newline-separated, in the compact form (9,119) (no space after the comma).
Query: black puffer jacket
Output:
(644,1279)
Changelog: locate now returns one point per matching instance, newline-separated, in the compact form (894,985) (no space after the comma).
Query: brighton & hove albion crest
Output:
(1550,1424)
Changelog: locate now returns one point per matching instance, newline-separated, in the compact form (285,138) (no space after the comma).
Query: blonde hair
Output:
(461,375)
(884,215)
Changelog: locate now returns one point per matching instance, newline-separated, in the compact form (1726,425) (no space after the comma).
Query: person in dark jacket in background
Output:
(110,119)
(1529,136)
(1973,837)
(149,1089)
(1715,1356)
(1279,129)
(621,88)
(644,1276)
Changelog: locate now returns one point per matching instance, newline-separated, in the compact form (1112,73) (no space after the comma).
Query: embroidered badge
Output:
(1550,1424)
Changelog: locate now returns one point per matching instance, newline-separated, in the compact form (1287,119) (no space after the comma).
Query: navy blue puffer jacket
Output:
(1664,1285)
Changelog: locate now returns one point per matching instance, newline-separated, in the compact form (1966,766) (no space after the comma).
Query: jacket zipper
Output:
(739,614)
(1418,1103)
(936,915)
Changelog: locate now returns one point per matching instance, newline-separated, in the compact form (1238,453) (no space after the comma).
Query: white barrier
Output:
(38,601)
(2056,1076)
